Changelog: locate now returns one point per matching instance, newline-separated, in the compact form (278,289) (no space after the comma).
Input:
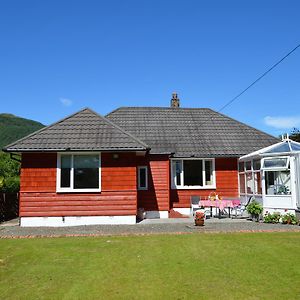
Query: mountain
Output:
(13,128)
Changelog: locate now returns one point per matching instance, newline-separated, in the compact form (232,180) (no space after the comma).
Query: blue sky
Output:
(57,57)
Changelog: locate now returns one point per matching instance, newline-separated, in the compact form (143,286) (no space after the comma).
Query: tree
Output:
(295,135)
(9,174)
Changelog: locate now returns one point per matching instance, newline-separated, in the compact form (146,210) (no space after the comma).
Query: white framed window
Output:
(277,175)
(143,178)
(192,173)
(278,182)
(278,163)
(78,172)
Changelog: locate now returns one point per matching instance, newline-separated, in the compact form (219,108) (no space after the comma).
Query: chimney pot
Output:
(175,102)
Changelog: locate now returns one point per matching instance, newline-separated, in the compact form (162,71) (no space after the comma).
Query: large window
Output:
(277,175)
(78,173)
(193,173)
(278,182)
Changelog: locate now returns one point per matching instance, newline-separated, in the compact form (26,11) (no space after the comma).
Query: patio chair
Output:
(195,204)
(240,209)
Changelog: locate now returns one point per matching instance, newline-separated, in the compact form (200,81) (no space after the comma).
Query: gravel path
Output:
(169,226)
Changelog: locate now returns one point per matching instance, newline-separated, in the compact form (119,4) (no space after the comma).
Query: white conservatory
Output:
(272,176)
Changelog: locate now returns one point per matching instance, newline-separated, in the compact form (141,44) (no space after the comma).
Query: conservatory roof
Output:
(285,147)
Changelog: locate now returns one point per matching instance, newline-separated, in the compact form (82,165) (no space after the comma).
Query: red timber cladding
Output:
(157,196)
(38,195)
(226,181)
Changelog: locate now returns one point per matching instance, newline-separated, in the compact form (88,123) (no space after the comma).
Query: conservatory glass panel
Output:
(241,166)
(278,162)
(248,165)
(250,183)
(278,182)
(242,183)
(257,183)
(295,147)
(256,164)
(280,148)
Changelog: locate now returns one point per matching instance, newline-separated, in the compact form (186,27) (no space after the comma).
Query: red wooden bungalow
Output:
(89,169)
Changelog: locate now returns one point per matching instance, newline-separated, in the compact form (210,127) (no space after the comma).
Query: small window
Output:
(65,171)
(208,172)
(276,163)
(177,171)
(143,178)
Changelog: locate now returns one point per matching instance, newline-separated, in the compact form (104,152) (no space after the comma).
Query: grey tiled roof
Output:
(199,132)
(82,131)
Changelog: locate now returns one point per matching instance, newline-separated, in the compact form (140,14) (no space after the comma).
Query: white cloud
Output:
(282,122)
(65,101)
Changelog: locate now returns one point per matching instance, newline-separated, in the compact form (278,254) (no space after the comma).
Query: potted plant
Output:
(199,218)
(254,209)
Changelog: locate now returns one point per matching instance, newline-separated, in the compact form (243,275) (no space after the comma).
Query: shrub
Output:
(289,219)
(254,208)
(272,218)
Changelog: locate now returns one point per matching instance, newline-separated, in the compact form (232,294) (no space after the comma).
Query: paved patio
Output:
(159,226)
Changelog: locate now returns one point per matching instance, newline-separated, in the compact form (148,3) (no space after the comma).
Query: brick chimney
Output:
(175,102)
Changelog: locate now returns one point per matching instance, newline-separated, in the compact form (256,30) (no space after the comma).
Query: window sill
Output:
(78,190)
(194,187)
(279,195)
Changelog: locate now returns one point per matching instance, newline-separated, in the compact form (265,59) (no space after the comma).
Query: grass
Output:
(198,266)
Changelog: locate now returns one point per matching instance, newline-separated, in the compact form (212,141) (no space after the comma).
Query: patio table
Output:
(220,204)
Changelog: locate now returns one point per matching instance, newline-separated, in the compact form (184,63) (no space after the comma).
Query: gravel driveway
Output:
(168,226)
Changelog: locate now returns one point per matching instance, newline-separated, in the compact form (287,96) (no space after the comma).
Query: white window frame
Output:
(174,186)
(143,188)
(286,167)
(71,189)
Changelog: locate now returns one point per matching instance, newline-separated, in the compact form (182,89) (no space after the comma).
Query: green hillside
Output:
(13,128)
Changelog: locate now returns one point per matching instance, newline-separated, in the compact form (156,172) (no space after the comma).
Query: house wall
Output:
(119,195)
(38,197)
(226,184)
(157,197)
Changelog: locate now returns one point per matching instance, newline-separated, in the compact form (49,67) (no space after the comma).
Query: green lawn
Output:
(198,266)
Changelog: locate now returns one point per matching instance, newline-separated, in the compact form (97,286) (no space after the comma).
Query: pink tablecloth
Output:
(219,203)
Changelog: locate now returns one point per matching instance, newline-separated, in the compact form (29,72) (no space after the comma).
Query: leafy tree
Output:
(9,174)
(295,135)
